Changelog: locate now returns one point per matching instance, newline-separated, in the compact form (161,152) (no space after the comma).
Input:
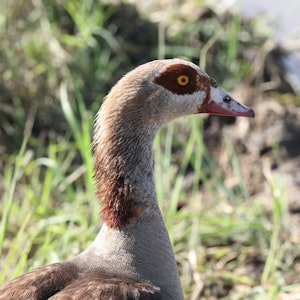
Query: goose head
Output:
(185,89)
(157,92)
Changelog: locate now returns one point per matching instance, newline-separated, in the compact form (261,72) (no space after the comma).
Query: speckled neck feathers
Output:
(123,156)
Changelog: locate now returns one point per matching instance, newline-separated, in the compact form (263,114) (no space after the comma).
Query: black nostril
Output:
(227,99)
(214,84)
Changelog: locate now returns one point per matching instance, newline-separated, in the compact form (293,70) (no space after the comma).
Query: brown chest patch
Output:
(119,207)
(182,79)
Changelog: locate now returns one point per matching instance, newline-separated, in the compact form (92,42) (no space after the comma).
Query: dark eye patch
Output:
(169,79)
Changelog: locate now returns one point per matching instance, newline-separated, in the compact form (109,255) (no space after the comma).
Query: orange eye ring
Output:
(183,80)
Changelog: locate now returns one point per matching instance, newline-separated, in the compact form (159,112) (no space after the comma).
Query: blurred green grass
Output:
(60,60)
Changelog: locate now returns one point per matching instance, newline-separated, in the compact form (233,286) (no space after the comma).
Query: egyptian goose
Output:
(131,257)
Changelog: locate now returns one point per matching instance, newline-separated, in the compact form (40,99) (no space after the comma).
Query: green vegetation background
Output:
(58,61)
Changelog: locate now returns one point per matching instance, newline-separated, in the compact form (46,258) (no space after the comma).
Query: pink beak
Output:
(220,103)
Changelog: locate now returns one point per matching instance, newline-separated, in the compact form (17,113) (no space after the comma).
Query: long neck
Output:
(124,173)
(133,242)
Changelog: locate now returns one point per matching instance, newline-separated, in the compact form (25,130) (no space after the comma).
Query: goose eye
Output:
(183,80)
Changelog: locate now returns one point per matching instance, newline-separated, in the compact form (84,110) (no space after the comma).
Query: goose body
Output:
(131,257)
